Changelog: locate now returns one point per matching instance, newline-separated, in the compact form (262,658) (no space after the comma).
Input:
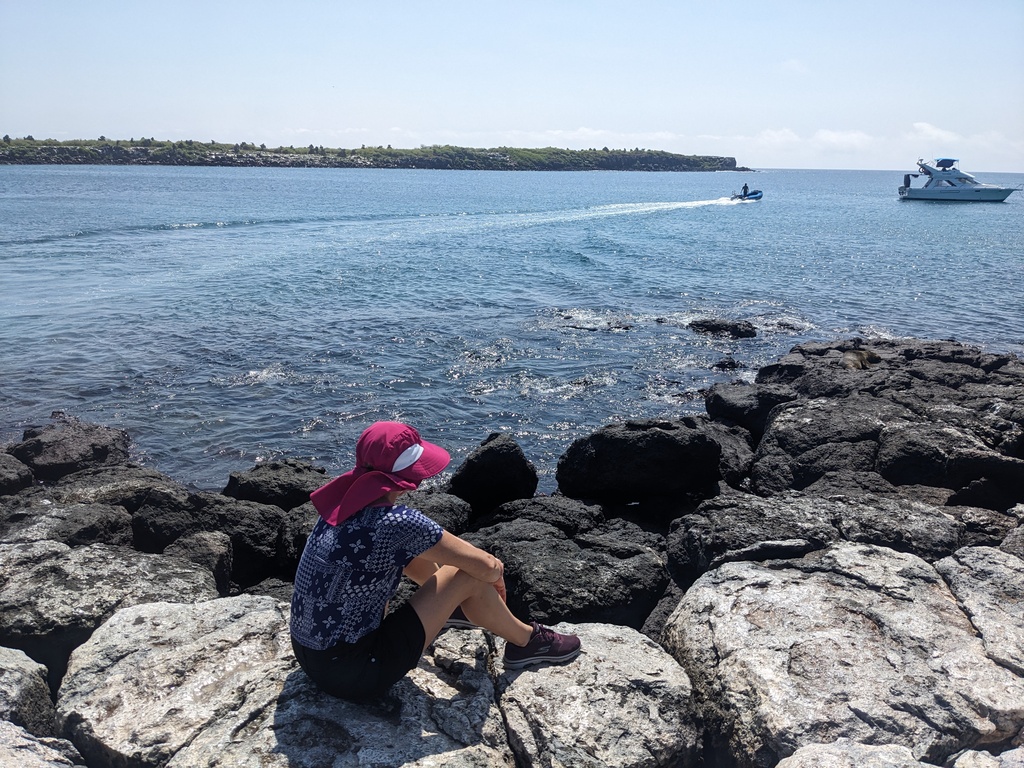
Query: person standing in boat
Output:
(746,189)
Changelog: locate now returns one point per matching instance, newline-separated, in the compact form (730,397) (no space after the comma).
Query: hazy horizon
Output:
(790,84)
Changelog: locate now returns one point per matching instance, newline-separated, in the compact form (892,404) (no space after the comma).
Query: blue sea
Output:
(229,316)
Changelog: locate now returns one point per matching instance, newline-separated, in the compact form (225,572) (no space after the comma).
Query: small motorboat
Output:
(754,194)
(945,181)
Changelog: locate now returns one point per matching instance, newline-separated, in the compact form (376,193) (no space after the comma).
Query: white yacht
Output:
(945,181)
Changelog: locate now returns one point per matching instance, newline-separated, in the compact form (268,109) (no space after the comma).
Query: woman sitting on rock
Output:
(353,563)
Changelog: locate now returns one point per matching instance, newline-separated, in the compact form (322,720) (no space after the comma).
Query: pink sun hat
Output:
(390,456)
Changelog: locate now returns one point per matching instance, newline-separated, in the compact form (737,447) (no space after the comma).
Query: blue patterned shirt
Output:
(348,572)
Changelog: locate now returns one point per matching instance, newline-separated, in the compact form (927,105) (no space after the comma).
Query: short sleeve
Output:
(413,533)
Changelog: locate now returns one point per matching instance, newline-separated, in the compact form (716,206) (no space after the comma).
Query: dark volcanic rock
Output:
(747,405)
(736,329)
(641,460)
(747,527)
(594,578)
(737,457)
(295,528)
(921,414)
(496,472)
(570,516)
(210,549)
(448,511)
(72,524)
(286,484)
(68,445)
(126,485)
(255,529)
(14,475)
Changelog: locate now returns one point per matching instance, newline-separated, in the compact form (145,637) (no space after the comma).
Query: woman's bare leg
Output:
(448,587)
(420,569)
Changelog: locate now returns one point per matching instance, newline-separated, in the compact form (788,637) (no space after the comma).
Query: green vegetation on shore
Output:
(103,151)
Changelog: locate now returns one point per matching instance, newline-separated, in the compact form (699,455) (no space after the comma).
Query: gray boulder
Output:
(989,584)
(21,749)
(496,472)
(215,683)
(623,702)
(1012,758)
(52,597)
(854,641)
(844,753)
(24,696)
(1013,542)
(68,445)
(286,483)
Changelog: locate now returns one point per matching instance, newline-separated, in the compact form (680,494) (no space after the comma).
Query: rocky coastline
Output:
(826,569)
(28,151)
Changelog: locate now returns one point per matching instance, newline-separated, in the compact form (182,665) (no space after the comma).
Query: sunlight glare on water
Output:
(227,316)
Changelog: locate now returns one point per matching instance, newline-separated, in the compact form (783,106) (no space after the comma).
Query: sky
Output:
(869,85)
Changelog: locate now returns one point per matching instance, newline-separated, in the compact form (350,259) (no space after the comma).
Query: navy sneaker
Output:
(458,620)
(545,645)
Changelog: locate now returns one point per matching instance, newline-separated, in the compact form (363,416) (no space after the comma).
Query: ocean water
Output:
(231,316)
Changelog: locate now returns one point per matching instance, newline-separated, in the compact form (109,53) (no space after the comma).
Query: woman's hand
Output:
(499,587)
(451,550)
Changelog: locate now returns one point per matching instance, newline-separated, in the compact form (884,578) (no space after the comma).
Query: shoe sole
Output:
(532,660)
(459,624)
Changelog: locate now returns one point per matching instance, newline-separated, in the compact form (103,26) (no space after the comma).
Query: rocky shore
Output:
(826,569)
(190,153)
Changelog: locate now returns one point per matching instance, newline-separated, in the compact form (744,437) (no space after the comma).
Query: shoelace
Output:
(545,634)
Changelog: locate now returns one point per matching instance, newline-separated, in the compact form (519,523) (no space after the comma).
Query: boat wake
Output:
(605,211)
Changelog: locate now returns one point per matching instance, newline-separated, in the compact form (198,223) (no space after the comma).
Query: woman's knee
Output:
(468,585)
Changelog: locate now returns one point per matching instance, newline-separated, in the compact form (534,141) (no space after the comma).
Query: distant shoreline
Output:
(30,151)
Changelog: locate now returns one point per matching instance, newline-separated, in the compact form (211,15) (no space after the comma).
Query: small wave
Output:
(272,374)
(584,319)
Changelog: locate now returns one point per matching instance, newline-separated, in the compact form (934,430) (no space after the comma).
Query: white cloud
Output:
(841,141)
(782,137)
(929,132)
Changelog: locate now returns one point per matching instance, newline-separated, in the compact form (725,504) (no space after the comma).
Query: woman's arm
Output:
(420,569)
(451,550)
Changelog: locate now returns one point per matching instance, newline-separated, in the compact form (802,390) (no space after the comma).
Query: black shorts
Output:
(366,668)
